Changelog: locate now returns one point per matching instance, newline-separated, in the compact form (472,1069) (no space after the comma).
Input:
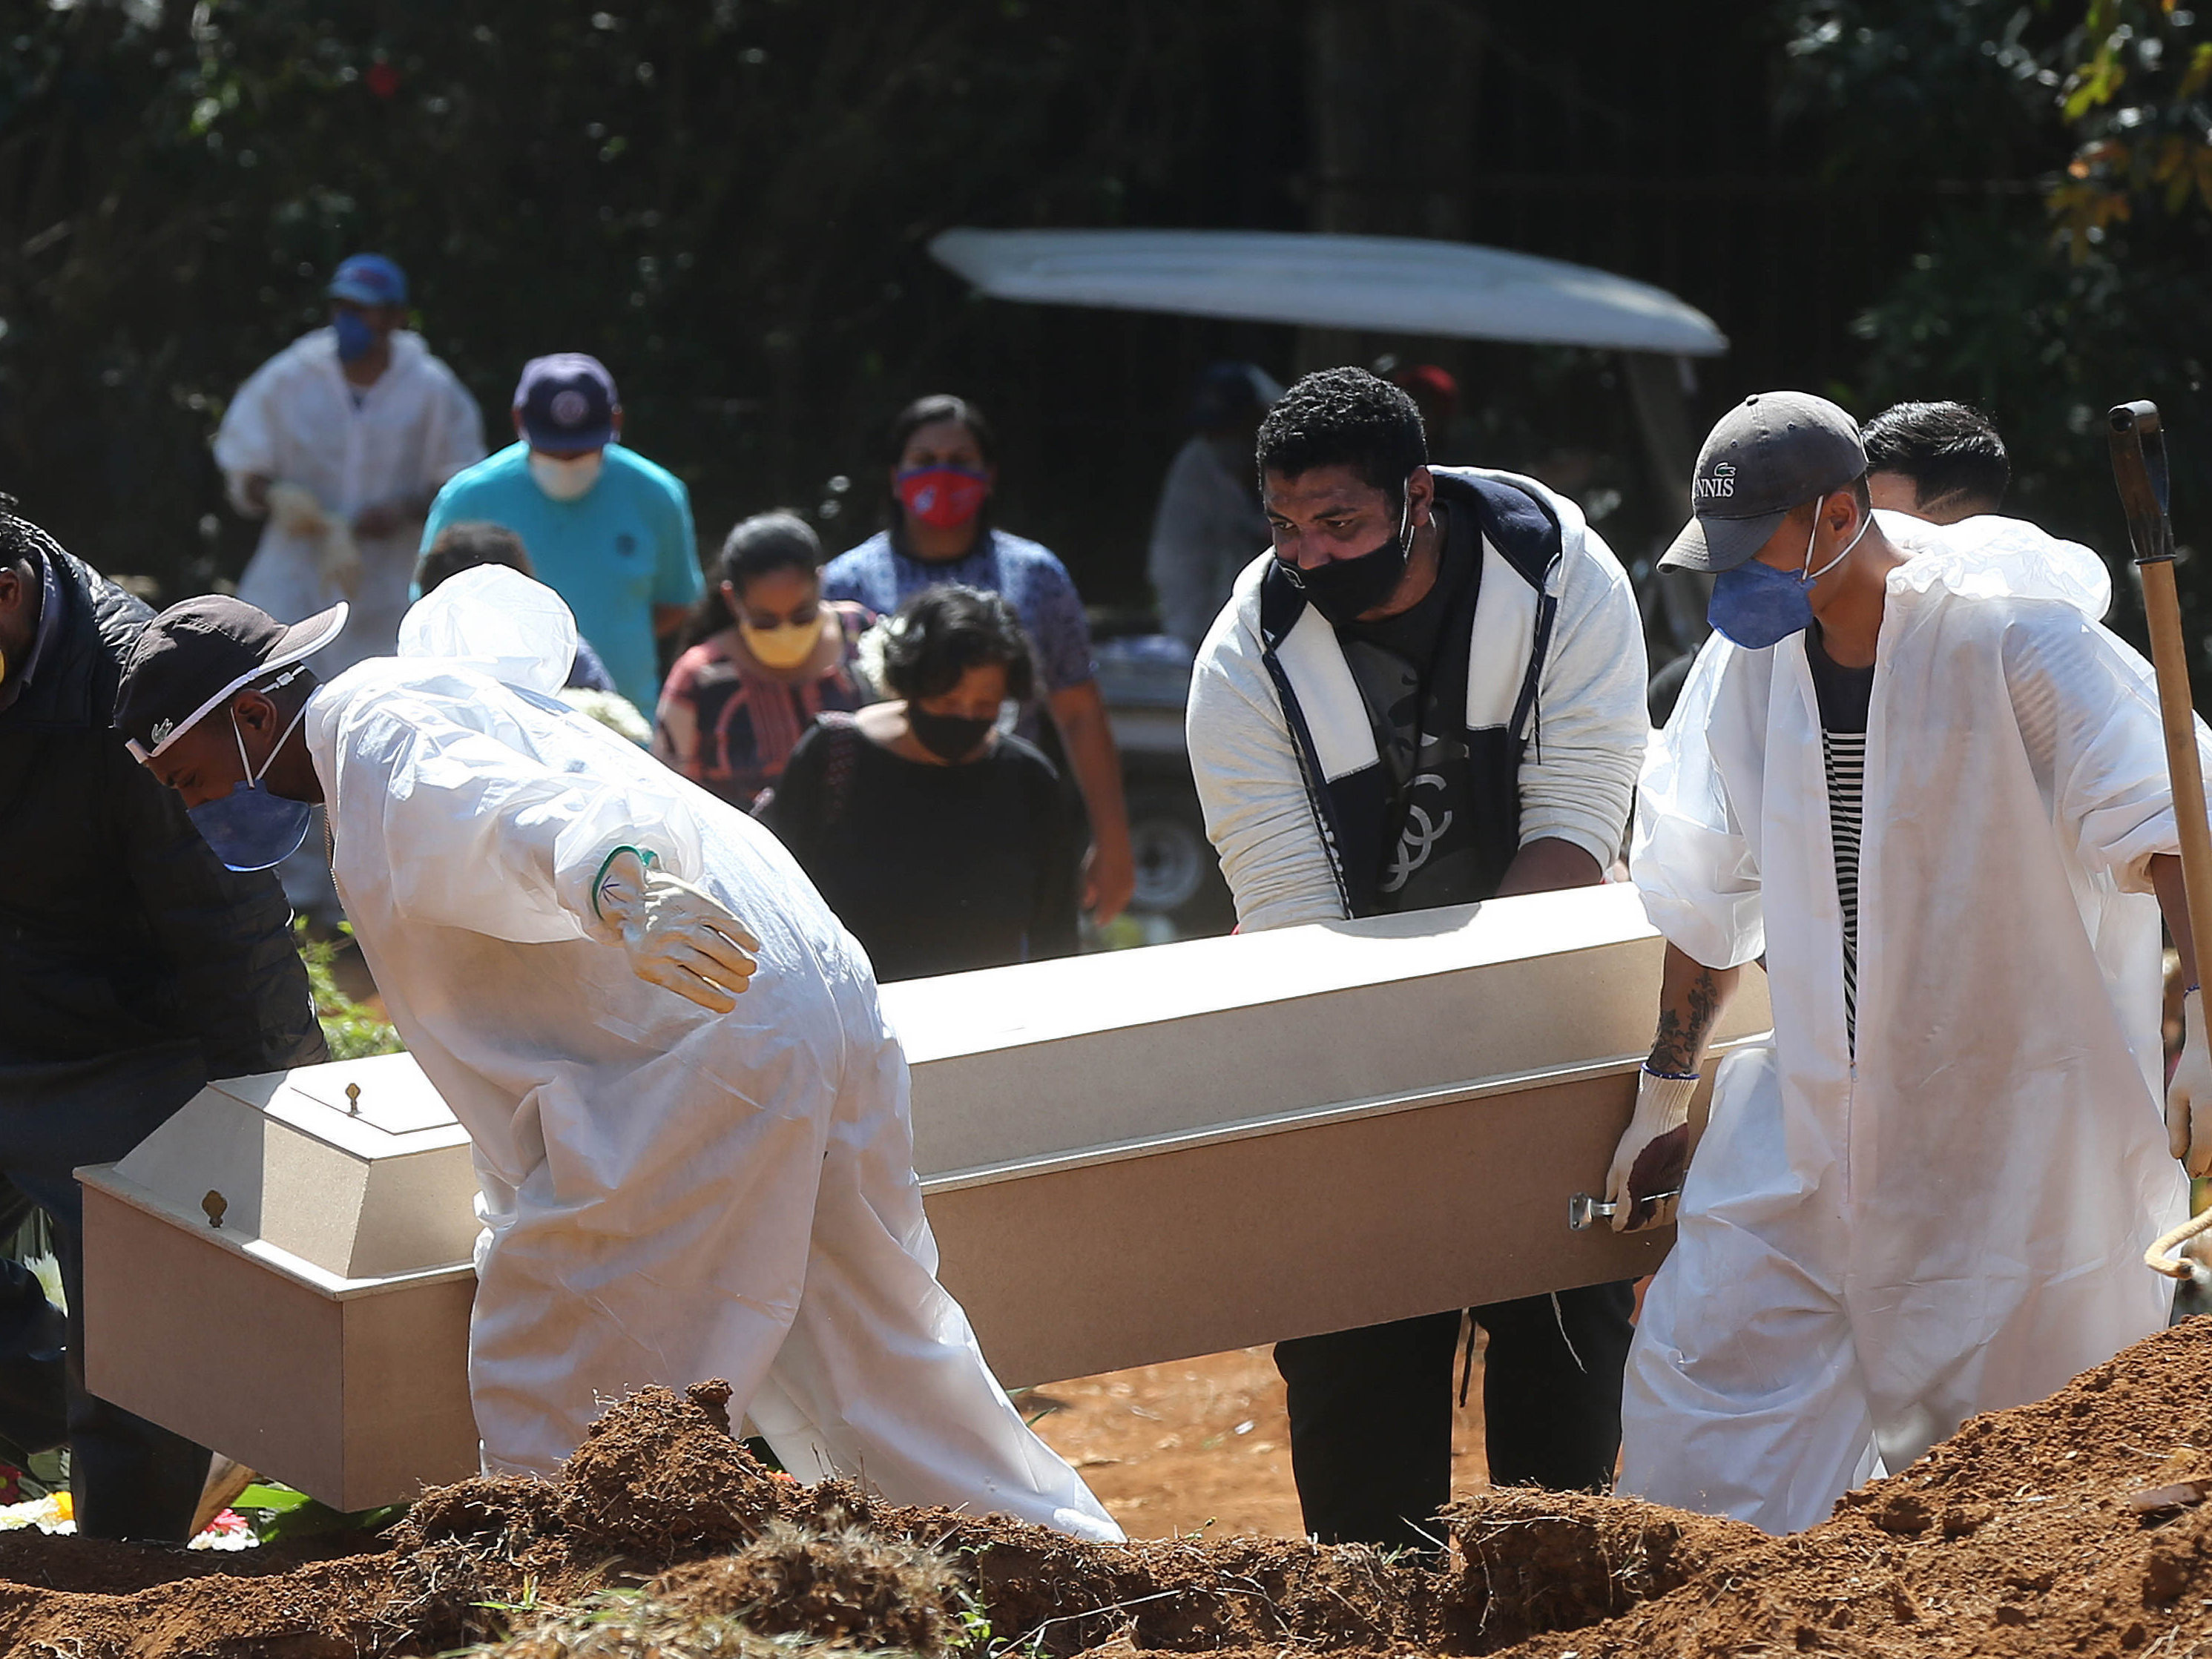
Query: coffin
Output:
(1128,1157)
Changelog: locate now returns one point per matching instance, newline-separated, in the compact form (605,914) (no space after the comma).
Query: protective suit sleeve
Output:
(1251,784)
(456,441)
(471,833)
(2088,708)
(1578,777)
(1690,859)
(246,442)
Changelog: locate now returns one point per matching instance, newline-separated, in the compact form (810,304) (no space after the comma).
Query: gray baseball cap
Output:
(1772,452)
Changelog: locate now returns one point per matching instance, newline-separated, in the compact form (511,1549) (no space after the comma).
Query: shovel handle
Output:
(2139,469)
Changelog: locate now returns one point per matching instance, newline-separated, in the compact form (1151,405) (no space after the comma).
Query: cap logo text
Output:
(1718,485)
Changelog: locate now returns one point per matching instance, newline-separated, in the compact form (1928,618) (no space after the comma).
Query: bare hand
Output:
(1109,881)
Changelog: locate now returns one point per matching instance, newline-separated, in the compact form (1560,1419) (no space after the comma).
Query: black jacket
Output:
(133,966)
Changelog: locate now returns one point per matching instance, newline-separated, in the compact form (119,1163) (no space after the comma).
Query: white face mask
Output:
(564,481)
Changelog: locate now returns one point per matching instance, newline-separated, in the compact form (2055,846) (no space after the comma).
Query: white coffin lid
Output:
(1122,1054)
(340,1199)
(1017,1071)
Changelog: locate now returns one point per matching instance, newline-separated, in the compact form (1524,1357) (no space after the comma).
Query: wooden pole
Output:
(2170,655)
(2139,469)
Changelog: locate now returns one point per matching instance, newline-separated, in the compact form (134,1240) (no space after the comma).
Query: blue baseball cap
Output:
(368,279)
(566,401)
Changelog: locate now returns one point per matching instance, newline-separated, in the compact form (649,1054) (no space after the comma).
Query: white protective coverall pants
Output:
(1872,1249)
(669,1194)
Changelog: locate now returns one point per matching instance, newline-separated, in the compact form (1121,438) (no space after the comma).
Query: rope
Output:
(2163,1257)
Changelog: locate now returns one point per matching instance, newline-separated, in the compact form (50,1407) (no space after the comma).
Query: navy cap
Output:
(1773,452)
(368,279)
(566,401)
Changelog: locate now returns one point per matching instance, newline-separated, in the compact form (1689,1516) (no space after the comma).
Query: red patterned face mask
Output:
(944,496)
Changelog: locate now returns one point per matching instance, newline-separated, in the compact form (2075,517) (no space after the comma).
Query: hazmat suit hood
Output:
(1987,557)
(497,621)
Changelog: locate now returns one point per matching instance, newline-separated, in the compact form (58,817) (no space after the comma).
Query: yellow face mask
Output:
(785,646)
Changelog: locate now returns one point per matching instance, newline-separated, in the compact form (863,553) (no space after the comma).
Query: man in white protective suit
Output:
(692,1142)
(1913,774)
(340,441)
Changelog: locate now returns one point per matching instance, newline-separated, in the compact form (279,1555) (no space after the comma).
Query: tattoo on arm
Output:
(1680,1043)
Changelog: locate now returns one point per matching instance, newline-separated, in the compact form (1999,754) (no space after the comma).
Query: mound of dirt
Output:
(2018,1536)
(2021,1536)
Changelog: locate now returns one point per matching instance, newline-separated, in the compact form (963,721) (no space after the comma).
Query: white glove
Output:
(2189,1097)
(679,938)
(340,557)
(296,510)
(1654,1155)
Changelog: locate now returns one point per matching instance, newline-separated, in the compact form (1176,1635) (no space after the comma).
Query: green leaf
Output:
(277,1512)
(276,1500)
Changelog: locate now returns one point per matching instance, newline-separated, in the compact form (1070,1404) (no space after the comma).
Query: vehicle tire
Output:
(1177,874)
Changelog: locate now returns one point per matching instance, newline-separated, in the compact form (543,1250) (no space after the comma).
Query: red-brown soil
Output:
(1203,1445)
(2017,1537)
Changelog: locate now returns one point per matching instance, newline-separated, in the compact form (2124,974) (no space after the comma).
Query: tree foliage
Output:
(2137,102)
(2071,274)
(726,200)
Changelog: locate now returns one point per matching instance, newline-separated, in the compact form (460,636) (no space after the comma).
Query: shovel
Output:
(2139,469)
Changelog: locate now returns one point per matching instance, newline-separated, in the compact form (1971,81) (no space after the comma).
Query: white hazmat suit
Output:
(297,420)
(1870,1253)
(668,1194)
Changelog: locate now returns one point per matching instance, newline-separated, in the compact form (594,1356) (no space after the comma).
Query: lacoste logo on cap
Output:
(161,730)
(1718,485)
(569,408)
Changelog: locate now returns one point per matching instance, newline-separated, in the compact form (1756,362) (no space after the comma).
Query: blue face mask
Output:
(250,829)
(1756,606)
(355,335)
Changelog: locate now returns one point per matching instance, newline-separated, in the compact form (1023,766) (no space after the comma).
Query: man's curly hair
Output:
(1343,417)
(20,539)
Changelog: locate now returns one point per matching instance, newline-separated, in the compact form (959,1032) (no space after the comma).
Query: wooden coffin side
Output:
(1351,1222)
(213,1345)
(405,1386)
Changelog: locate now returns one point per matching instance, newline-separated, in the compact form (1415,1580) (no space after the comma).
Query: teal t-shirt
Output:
(623,547)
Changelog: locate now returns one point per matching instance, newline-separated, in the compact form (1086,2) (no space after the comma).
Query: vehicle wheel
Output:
(1177,875)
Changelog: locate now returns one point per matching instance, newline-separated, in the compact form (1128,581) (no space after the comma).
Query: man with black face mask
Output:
(1362,727)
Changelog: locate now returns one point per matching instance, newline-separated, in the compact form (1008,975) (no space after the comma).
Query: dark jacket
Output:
(133,966)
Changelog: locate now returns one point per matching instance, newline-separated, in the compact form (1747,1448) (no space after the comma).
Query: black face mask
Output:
(1342,589)
(948,737)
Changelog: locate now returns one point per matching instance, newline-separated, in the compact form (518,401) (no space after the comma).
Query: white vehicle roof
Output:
(1393,284)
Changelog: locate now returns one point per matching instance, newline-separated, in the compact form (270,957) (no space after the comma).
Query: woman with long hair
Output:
(767,655)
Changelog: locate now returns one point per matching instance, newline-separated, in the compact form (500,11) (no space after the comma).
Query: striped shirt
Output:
(1844,696)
